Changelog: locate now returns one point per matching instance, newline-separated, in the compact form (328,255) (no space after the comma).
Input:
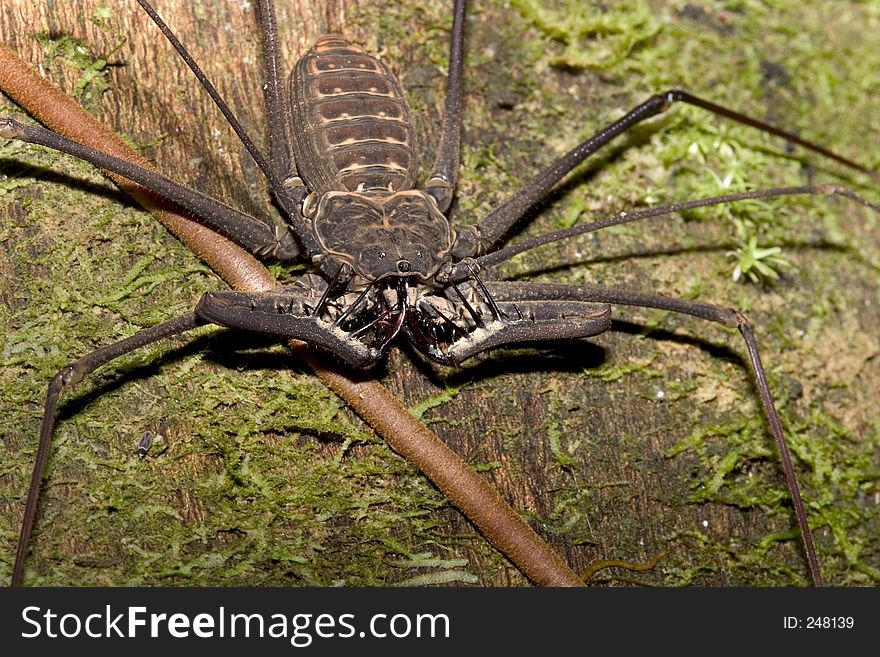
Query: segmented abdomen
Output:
(351,127)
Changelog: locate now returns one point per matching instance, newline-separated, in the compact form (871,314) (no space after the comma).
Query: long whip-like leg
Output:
(492,230)
(503,291)
(277,109)
(289,203)
(248,231)
(441,185)
(464,269)
(66,377)
(825,189)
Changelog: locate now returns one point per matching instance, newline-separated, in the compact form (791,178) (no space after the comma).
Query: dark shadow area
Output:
(15,169)
(233,350)
(574,356)
(663,335)
(580,175)
(787,245)
(521,358)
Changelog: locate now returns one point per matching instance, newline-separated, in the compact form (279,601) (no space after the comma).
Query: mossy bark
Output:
(646,439)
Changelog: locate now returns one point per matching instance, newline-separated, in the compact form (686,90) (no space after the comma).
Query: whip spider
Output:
(245,490)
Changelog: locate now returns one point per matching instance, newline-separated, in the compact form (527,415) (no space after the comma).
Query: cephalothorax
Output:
(387,263)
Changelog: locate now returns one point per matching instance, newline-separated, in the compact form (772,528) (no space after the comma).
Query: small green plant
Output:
(754,263)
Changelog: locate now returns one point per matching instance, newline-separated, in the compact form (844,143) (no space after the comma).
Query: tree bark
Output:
(263,477)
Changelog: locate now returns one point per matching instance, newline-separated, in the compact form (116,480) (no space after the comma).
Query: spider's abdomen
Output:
(351,127)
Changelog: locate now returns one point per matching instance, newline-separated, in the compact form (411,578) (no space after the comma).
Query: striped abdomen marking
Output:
(351,127)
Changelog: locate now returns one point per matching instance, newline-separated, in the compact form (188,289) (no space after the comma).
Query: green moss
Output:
(446,396)
(613,373)
(268,479)
(90,71)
